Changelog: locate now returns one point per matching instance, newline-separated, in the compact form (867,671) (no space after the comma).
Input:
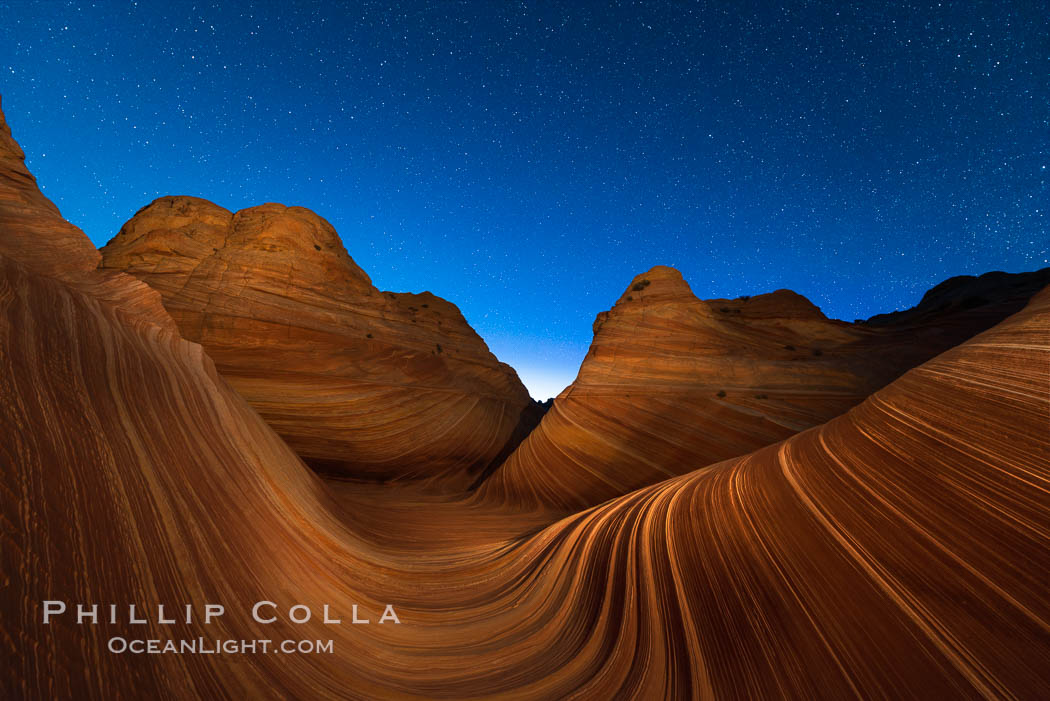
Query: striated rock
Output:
(131,473)
(672,383)
(33,232)
(359,382)
(31,228)
(894,552)
(897,551)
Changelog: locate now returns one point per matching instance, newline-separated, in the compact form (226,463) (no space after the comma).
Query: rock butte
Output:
(899,550)
(672,383)
(358,382)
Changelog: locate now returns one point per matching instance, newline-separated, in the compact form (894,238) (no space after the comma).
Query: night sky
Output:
(526,159)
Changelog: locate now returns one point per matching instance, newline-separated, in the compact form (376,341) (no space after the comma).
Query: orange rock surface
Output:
(35,232)
(359,382)
(897,551)
(672,383)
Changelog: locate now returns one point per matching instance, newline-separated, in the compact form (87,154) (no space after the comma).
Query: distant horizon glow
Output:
(525,162)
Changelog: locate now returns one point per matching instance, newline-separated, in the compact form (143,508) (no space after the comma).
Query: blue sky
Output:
(525,160)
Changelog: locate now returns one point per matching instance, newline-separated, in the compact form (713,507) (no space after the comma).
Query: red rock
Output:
(33,230)
(672,383)
(359,382)
(897,551)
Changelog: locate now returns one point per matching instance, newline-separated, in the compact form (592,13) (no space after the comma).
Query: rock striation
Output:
(359,382)
(672,383)
(897,551)
(33,231)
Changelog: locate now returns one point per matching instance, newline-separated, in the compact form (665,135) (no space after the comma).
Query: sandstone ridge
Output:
(672,382)
(360,382)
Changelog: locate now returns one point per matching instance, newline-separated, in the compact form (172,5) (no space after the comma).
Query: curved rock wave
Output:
(896,550)
(361,383)
(672,383)
(899,550)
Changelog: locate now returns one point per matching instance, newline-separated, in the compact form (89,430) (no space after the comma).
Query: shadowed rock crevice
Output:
(530,419)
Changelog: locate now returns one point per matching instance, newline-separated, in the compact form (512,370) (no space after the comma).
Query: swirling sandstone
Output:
(34,231)
(672,383)
(897,551)
(358,382)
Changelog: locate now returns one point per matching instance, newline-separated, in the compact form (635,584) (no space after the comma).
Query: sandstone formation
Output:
(359,382)
(32,229)
(672,383)
(33,232)
(897,551)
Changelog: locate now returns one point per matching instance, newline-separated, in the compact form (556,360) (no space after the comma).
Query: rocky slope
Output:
(33,230)
(359,382)
(129,469)
(672,383)
(897,551)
